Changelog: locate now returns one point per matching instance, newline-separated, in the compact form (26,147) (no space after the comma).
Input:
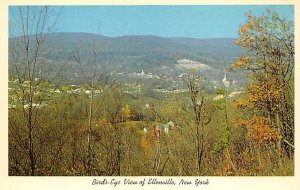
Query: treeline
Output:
(106,132)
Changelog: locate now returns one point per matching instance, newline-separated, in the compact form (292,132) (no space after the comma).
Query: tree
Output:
(28,60)
(223,144)
(268,41)
(93,81)
(201,117)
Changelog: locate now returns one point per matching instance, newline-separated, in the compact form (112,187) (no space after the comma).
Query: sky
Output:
(199,21)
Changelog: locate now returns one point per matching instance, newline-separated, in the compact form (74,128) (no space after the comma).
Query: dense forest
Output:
(106,127)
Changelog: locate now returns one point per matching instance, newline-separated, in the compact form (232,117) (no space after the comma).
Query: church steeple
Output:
(225,81)
(225,77)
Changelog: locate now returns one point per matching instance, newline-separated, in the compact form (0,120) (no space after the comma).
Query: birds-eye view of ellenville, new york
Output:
(202,90)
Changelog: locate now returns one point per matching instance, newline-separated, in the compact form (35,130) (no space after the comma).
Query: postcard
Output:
(143,95)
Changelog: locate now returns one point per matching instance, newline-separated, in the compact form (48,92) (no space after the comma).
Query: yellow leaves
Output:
(277,94)
(264,44)
(245,45)
(255,93)
(245,28)
(128,112)
(44,84)
(240,122)
(240,103)
(268,93)
(104,122)
(253,22)
(65,88)
(262,37)
(275,67)
(58,108)
(241,62)
(245,40)
(250,40)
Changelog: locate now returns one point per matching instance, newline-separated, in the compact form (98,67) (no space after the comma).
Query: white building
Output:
(218,97)
(166,130)
(145,130)
(234,94)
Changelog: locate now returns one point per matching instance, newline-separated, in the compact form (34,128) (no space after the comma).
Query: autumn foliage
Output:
(259,129)
(269,61)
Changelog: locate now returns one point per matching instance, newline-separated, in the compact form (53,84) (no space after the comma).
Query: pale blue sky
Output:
(166,21)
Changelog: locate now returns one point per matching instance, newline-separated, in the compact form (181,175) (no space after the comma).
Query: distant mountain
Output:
(146,43)
(142,52)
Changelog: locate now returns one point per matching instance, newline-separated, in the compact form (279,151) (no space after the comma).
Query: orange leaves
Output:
(266,39)
(82,129)
(267,93)
(262,131)
(150,139)
(264,134)
(250,40)
(144,142)
(238,41)
(259,121)
(218,172)
(259,129)
(246,27)
(245,30)
(154,135)
(269,43)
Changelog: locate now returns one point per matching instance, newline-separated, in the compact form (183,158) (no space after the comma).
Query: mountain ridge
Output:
(133,53)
